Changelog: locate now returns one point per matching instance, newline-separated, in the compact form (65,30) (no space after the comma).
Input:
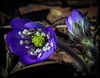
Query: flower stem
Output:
(18,66)
(73,54)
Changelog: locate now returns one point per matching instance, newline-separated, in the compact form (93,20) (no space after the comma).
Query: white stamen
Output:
(43,34)
(38,50)
(31,29)
(25,31)
(21,42)
(22,36)
(27,47)
(39,29)
(29,33)
(37,33)
(48,36)
(48,48)
(35,53)
(31,53)
(40,54)
(31,50)
(47,44)
(44,48)
(52,44)
(19,33)
(27,42)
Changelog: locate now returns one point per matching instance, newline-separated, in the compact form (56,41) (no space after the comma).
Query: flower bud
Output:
(78,27)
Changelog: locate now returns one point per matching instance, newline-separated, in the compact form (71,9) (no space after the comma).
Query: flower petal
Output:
(70,20)
(27,59)
(17,48)
(46,55)
(33,25)
(18,24)
(52,34)
(36,26)
(54,43)
(12,35)
(78,17)
(68,26)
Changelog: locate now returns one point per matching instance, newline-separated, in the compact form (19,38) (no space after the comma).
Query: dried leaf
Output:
(56,12)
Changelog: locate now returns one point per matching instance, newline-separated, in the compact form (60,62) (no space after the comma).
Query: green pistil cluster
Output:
(38,40)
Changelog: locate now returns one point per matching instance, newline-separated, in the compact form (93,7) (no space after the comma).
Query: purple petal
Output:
(33,25)
(17,48)
(77,17)
(70,20)
(13,40)
(27,59)
(12,35)
(53,34)
(53,41)
(18,24)
(46,55)
(68,25)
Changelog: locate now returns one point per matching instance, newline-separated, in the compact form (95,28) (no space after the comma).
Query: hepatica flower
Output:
(31,41)
(78,27)
(79,31)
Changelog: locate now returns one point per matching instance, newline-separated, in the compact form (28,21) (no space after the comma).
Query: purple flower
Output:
(31,41)
(77,24)
(79,29)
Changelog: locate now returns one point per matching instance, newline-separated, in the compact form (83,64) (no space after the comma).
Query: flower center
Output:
(38,40)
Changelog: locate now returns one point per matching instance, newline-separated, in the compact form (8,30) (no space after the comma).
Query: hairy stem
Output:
(73,54)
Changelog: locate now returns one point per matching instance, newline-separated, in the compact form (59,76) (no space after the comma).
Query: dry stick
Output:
(61,26)
(7,61)
(7,64)
(34,65)
(5,27)
(59,19)
(73,54)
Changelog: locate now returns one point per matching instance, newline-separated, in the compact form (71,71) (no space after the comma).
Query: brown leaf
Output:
(61,56)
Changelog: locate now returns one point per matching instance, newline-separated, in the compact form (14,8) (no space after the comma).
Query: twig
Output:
(59,19)
(17,67)
(7,63)
(4,27)
(7,60)
(34,65)
(61,26)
